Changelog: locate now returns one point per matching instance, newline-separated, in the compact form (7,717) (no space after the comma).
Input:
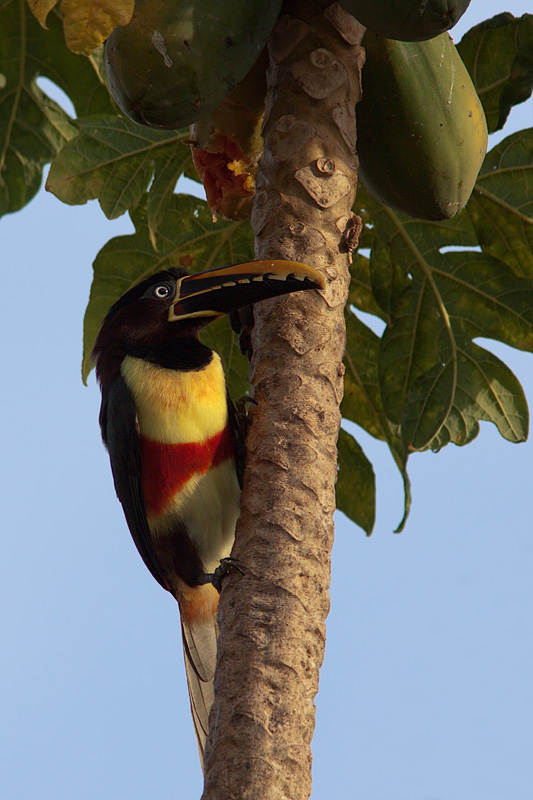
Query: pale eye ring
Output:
(162,291)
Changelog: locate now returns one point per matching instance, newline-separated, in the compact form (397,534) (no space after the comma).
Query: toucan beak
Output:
(219,291)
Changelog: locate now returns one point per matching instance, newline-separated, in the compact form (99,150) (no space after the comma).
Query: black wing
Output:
(118,422)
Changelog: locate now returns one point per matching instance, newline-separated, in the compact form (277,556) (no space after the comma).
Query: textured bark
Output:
(272,619)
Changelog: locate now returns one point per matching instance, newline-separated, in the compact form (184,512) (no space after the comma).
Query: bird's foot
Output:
(242,418)
(241,403)
(243,413)
(226,566)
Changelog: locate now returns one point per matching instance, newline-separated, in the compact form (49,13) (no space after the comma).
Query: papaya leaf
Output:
(170,165)
(498,54)
(486,390)
(426,383)
(33,128)
(187,238)
(501,207)
(361,294)
(389,276)
(356,483)
(426,235)
(417,338)
(45,54)
(114,160)
(452,298)
(88,23)
(40,10)
(429,405)
(362,400)
(483,297)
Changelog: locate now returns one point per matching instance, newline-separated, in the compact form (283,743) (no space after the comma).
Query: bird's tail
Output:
(200,632)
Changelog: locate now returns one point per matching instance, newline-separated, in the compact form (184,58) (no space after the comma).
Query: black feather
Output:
(118,423)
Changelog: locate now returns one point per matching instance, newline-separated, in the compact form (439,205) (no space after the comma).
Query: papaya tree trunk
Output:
(272,618)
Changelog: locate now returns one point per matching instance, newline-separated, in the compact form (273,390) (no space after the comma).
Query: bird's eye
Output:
(161,291)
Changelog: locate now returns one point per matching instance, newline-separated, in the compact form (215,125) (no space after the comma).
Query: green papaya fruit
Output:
(421,129)
(226,145)
(407,20)
(177,60)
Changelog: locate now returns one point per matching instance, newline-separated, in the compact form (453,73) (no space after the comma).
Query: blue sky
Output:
(426,692)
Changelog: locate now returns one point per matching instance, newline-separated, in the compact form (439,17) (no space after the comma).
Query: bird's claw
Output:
(240,404)
(226,566)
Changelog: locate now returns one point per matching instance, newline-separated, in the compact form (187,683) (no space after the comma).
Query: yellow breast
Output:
(177,407)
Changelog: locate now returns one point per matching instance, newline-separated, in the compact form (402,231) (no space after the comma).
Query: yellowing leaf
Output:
(34,128)
(88,23)
(40,9)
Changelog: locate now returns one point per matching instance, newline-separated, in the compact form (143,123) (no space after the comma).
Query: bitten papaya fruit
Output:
(226,145)
(177,60)
(421,129)
(407,20)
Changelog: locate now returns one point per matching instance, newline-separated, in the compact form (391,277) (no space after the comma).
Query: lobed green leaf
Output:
(426,383)
(361,294)
(114,160)
(485,389)
(498,54)
(501,206)
(362,402)
(451,299)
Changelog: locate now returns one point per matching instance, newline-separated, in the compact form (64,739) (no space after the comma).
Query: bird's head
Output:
(172,306)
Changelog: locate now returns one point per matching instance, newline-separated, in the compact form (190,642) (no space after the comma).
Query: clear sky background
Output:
(426,692)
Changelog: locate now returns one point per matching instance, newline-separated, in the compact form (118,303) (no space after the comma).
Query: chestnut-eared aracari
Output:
(171,433)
